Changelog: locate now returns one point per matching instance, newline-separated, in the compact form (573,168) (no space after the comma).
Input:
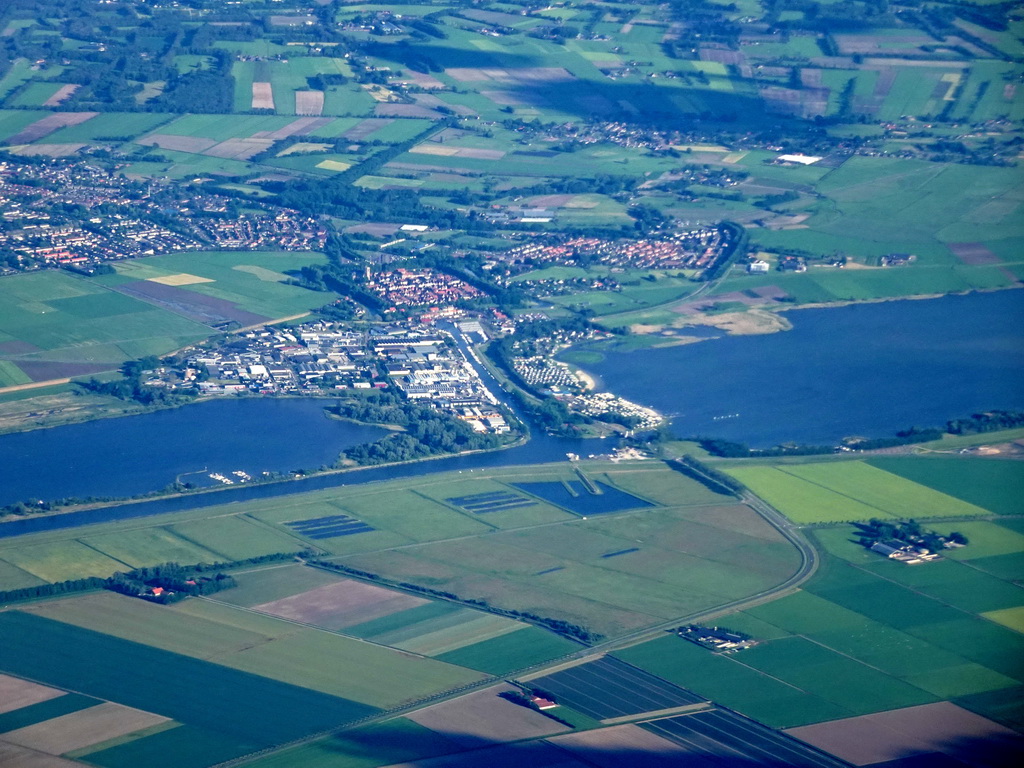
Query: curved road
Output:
(808,565)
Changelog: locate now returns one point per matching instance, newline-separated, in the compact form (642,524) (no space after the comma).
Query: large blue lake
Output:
(868,369)
(136,454)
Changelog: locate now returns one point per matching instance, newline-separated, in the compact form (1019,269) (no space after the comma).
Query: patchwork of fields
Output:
(834,492)
(868,634)
(54,325)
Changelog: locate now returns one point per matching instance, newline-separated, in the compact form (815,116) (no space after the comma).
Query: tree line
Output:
(559,626)
(169,575)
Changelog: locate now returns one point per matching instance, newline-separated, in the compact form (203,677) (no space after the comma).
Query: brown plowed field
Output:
(344,604)
(16,693)
(930,729)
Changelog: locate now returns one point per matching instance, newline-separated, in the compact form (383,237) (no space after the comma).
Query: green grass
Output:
(16,120)
(688,559)
(399,131)
(108,125)
(11,375)
(835,678)
(228,615)
(35,94)
(864,635)
(236,538)
(61,560)
(663,485)
(224,127)
(72,319)
(12,577)
(412,515)
(727,680)
(987,539)
(186,746)
(150,624)
(350,668)
(19,73)
(516,650)
(395,622)
(450,633)
(514,518)
(886,492)
(800,501)
(249,708)
(150,546)
(232,281)
(996,485)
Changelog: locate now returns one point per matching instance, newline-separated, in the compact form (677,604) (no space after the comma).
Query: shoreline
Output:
(888,299)
(158,496)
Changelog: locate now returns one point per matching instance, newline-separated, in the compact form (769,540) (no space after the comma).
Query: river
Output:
(136,454)
(863,369)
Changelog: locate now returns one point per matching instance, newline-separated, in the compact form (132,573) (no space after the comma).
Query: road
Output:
(808,565)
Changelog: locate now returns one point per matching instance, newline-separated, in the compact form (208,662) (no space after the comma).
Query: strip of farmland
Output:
(609,688)
(728,736)
(242,706)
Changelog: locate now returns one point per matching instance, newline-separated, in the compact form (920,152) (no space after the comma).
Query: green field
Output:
(250,280)
(611,573)
(800,501)
(831,492)
(674,561)
(866,634)
(35,94)
(354,670)
(149,546)
(111,125)
(998,486)
(251,711)
(885,491)
(70,325)
(516,650)
(268,584)
(61,560)
(236,537)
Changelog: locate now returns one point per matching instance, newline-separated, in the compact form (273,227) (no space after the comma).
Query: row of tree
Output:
(208,578)
(559,626)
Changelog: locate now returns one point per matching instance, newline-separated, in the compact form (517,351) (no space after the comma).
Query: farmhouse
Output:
(904,553)
(541,703)
(716,638)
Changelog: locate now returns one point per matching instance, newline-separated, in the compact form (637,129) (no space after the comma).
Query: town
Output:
(77,215)
(320,357)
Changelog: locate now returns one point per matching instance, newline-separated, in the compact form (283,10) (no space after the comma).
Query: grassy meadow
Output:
(867,634)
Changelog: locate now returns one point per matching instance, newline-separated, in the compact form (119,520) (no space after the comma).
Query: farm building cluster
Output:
(906,541)
(716,638)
